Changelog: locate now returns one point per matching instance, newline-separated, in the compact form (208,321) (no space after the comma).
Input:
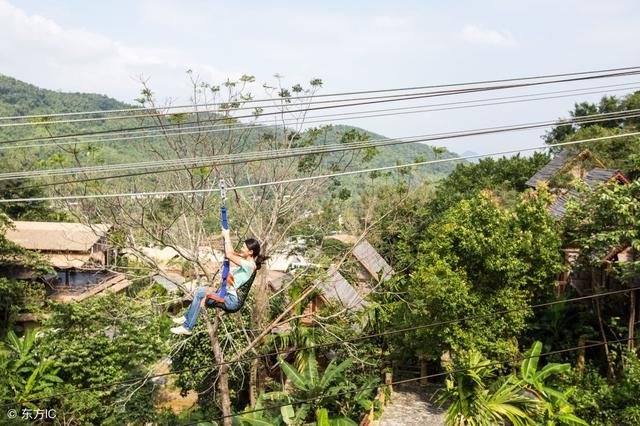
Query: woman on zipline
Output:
(248,261)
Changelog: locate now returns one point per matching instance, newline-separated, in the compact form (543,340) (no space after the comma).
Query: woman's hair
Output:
(254,246)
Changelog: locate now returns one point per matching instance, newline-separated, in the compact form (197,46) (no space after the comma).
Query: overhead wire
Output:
(385,112)
(282,107)
(349,93)
(246,157)
(267,155)
(307,108)
(339,342)
(309,178)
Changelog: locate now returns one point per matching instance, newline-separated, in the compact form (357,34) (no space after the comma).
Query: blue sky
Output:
(104,47)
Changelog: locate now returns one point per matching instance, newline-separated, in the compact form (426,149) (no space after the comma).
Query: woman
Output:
(248,261)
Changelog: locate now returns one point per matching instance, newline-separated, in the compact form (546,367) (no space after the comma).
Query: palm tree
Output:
(472,402)
(22,373)
(557,408)
(316,388)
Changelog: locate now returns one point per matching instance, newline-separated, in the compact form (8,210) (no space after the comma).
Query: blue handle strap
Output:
(225,224)
(225,262)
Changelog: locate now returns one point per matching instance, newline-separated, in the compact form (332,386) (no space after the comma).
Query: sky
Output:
(108,47)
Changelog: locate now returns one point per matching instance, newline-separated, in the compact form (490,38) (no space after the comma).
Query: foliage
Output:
(555,403)
(320,391)
(25,372)
(478,259)
(621,153)
(103,340)
(501,176)
(602,403)
(476,397)
(606,219)
(13,256)
(475,402)
(418,208)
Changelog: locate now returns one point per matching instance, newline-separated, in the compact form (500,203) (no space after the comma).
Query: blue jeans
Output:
(194,309)
(230,302)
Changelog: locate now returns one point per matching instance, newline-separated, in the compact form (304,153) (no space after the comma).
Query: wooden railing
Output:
(369,418)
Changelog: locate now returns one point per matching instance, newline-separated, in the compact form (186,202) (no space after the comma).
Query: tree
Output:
(601,223)
(478,259)
(102,340)
(187,221)
(621,153)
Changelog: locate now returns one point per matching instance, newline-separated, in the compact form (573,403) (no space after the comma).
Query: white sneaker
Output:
(179,320)
(181,330)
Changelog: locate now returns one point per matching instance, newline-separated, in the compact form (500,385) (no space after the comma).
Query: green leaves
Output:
(24,371)
(298,380)
(474,400)
(476,259)
(310,384)
(606,221)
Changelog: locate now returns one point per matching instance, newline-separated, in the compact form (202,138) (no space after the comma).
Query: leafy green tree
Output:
(102,340)
(13,293)
(605,221)
(478,259)
(418,208)
(499,175)
(13,255)
(621,153)
(36,211)
(603,403)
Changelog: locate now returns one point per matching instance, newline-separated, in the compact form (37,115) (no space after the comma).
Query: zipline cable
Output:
(306,109)
(352,93)
(324,118)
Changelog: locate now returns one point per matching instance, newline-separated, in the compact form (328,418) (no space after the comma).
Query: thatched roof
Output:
(549,171)
(57,236)
(337,289)
(372,261)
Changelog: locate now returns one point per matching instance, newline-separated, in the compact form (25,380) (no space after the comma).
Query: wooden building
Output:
(562,174)
(79,253)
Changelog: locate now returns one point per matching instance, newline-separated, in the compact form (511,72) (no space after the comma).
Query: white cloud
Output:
(477,35)
(38,50)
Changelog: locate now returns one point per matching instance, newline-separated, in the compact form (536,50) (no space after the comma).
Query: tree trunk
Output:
(610,373)
(223,377)
(632,321)
(253,383)
(581,362)
(259,316)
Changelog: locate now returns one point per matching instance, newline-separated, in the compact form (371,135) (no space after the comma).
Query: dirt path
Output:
(410,406)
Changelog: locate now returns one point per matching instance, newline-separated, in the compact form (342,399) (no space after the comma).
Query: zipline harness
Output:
(217,299)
